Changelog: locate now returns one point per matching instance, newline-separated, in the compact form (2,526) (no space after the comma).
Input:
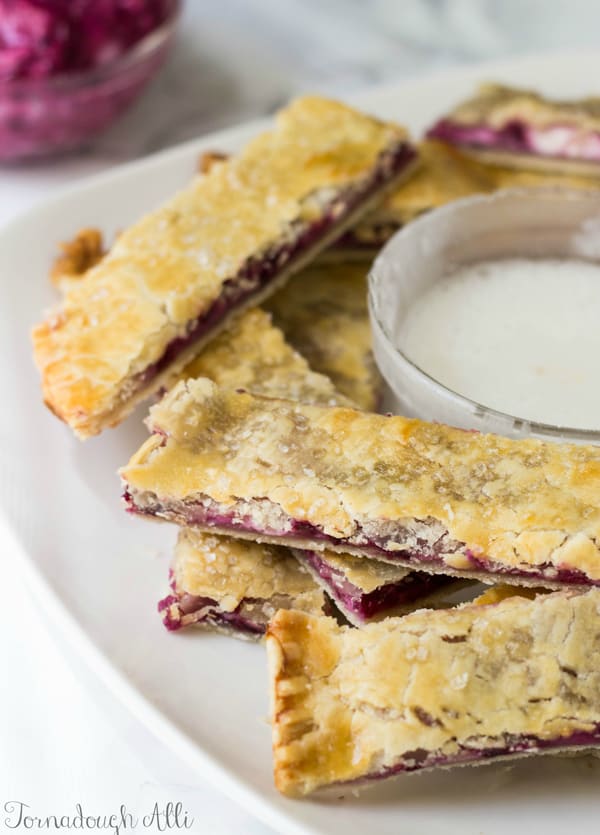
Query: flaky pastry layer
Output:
(253,354)
(323,314)
(219,582)
(507,126)
(445,174)
(225,583)
(178,275)
(435,688)
(497,104)
(367,590)
(426,496)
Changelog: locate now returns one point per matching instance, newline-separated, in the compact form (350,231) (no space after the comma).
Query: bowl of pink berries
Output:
(70,68)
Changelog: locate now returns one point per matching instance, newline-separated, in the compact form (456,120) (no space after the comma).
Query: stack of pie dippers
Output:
(305,515)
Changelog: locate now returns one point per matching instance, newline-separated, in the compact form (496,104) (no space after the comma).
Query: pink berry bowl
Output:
(43,116)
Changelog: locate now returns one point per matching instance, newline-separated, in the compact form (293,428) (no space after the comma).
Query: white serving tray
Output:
(99,572)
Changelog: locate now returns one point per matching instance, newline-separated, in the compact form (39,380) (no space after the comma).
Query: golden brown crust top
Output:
(168,268)
(230,570)
(76,257)
(443,175)
(252,354)
(347,704)
(497,104)
(323,314)
(208,159)
(367,575)
(522,503)
(522,178)
(496,594)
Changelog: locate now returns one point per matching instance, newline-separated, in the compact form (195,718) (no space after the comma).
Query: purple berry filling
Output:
(261,270)
(191,609)
(366,605)
(69,68)
(510,745)
(418,553)
(519,138)
(39,39)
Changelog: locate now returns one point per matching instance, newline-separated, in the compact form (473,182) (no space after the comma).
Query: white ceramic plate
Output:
(100,572)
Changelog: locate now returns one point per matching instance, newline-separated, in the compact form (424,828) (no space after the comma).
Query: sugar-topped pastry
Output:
(174,279)
(323,313)
(442,174)
(235,586)
(421,495)
(367,590)
(253,354)
(509,126)
(435,688)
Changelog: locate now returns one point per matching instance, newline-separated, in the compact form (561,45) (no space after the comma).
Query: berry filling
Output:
(366,605)
(508,746)
(419,544)
(39,39)
(184,610)
(260,271)
(562,141)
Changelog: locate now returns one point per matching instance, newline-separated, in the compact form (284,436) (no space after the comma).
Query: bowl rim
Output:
(140,50)
(564,432)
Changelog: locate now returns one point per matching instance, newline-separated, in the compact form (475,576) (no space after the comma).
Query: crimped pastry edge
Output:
(290,679)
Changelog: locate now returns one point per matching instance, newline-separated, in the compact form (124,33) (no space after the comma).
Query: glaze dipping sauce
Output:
(518,335)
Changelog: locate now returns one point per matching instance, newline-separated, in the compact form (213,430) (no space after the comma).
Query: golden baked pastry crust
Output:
(213,576)
(432,688)
(76,257)
(323,314)
(568,172)
(498,104)
(443,174)
(541,172)
(526,130)
(368,590)
(226,585)
(253,354)
(230,570)
(367,575)
(167,270)
(489,504)
(496,594)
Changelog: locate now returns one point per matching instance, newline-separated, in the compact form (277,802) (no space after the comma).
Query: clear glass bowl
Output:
(60,113)
(541,222)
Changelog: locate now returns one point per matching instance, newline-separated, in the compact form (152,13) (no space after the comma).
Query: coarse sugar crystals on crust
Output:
(435,688)
(323,314)
(253,354)
(178,275)
(427,496)
(235,586)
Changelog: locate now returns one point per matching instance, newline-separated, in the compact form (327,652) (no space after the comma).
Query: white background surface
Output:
(63,738)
